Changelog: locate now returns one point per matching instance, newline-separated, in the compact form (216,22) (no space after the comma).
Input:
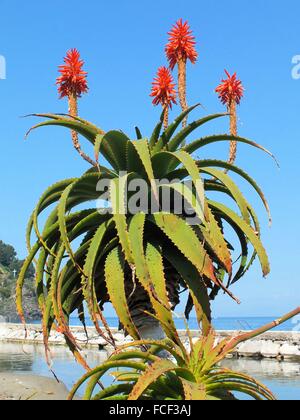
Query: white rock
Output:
(125,341)
(289,350)
(4,331)
(270,349)
(195,340)
(230,356)
(57,338)
(119,337)
(81,337)
(250,348)
(98,342)
(16,334)
(31,335)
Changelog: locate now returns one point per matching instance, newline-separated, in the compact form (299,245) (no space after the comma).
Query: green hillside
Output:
(3,270)
(10,266)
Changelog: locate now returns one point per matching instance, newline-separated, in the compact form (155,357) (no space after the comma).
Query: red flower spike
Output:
(163,88)
(181,44)
(73,79)
(230,90)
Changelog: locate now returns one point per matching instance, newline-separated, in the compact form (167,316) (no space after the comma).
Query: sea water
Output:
(282,378)
(220,324)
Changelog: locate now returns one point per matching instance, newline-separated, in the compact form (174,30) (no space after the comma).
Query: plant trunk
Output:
(152,331)
(182,87)
(139,303)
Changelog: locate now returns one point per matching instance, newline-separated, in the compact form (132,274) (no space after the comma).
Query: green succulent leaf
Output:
(205,141)
(183,134)
(169,132)
(114,276)
(249,232)
(155,371)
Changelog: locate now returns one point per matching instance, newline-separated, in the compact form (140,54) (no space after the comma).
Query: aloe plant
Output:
(194,374)
(140,262)
(187,375)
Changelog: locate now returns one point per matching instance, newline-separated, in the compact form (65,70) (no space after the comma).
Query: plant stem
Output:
(248,336)
(182,87)
(233,131)
(166,116)
(73,111)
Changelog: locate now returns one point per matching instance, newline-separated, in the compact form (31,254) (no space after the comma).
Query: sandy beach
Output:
(22,387)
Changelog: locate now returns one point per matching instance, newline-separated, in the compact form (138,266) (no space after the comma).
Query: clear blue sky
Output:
(122,43)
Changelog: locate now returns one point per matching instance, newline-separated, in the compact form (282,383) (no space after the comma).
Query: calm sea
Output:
(282,378)
(224,324)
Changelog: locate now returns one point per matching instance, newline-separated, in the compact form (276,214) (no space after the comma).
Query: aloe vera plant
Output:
(141,262)
(194,374)
(187,375)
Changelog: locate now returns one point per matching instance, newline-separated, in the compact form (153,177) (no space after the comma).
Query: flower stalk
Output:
(72,83)
(73,112)
(166,116)
(230,93)
(233,132)
(256,333)
(164,93)
(180,49)
(182,87)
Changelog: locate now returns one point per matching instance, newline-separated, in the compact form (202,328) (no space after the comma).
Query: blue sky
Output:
(122,44)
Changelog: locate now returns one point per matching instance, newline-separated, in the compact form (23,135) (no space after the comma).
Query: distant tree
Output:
(7,254)
(9,260)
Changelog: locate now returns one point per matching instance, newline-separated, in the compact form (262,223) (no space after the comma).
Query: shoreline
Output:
(283,346)
(21,387)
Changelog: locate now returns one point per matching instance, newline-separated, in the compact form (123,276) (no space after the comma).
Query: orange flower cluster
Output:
(181,45)
(163,88)
(230,90)
(73,79)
